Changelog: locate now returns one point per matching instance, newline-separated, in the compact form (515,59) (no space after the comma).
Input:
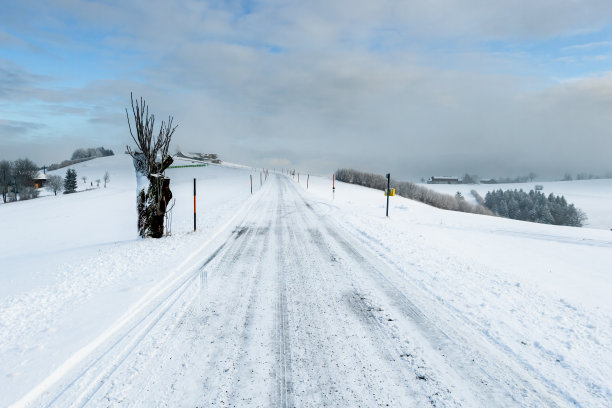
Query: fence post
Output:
(388,191)
(333,186)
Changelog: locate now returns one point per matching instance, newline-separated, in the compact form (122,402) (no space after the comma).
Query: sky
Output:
(493,88)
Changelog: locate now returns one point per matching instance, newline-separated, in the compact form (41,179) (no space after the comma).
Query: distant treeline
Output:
(81,155)
(188,165)
(91,152)
(475,179)
(586,176)
(412,191)
(535,207)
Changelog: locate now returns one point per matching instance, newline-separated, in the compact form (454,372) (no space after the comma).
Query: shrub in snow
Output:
(28,193)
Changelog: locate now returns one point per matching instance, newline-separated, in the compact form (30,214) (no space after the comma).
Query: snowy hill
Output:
(459,309)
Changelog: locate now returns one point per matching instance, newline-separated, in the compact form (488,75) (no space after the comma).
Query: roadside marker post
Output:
(388,191)
(307,181)
(333,186)
(251,176)
(194,205)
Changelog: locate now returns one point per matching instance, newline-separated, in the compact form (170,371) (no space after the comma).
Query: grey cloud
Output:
(363,111)
(326,97)
(13,128)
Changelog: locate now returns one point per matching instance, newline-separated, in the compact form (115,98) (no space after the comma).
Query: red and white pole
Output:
(333,186)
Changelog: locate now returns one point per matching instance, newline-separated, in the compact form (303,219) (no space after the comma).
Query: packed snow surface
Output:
(295,296)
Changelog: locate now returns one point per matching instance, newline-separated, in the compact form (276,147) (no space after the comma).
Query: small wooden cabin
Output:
(443,180)
(40,180)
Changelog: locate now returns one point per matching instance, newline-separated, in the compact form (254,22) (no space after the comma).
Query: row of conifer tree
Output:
(534,206)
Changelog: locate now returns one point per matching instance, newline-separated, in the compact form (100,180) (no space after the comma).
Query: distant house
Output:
(204,157)
(40,180)
(443,180)
(488,181)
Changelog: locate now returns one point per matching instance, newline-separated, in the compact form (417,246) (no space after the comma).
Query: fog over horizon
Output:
(493,89)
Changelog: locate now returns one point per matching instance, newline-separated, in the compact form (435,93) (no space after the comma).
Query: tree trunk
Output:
(153,189)
(153,197)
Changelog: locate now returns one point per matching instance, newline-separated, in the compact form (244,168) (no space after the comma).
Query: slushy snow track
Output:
(291,310)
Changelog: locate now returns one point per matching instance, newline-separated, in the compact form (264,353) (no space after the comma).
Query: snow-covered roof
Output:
(40,176)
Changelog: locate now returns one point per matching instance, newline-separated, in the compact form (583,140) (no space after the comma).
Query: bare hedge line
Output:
(412,191)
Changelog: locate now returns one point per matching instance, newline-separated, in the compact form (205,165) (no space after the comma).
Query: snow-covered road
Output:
(287,308)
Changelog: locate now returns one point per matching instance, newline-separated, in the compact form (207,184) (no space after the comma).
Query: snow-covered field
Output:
(295,297)
(591,196)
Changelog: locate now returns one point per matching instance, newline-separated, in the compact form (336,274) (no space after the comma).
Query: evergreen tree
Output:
(70,181)
(535,207)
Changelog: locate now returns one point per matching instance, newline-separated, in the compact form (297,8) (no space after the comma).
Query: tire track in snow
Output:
(92,360)
(404,359)
(336,364)
(481,369)
(398,351)
(219,357)
(230,349)
(247,327)
(97,373)
(503,351)
(283,369)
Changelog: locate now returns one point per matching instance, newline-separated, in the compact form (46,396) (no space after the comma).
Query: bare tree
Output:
(24,171)
(98,183)
(55,183)
(84,178)
(106,178)
(6,174)
(150,160)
